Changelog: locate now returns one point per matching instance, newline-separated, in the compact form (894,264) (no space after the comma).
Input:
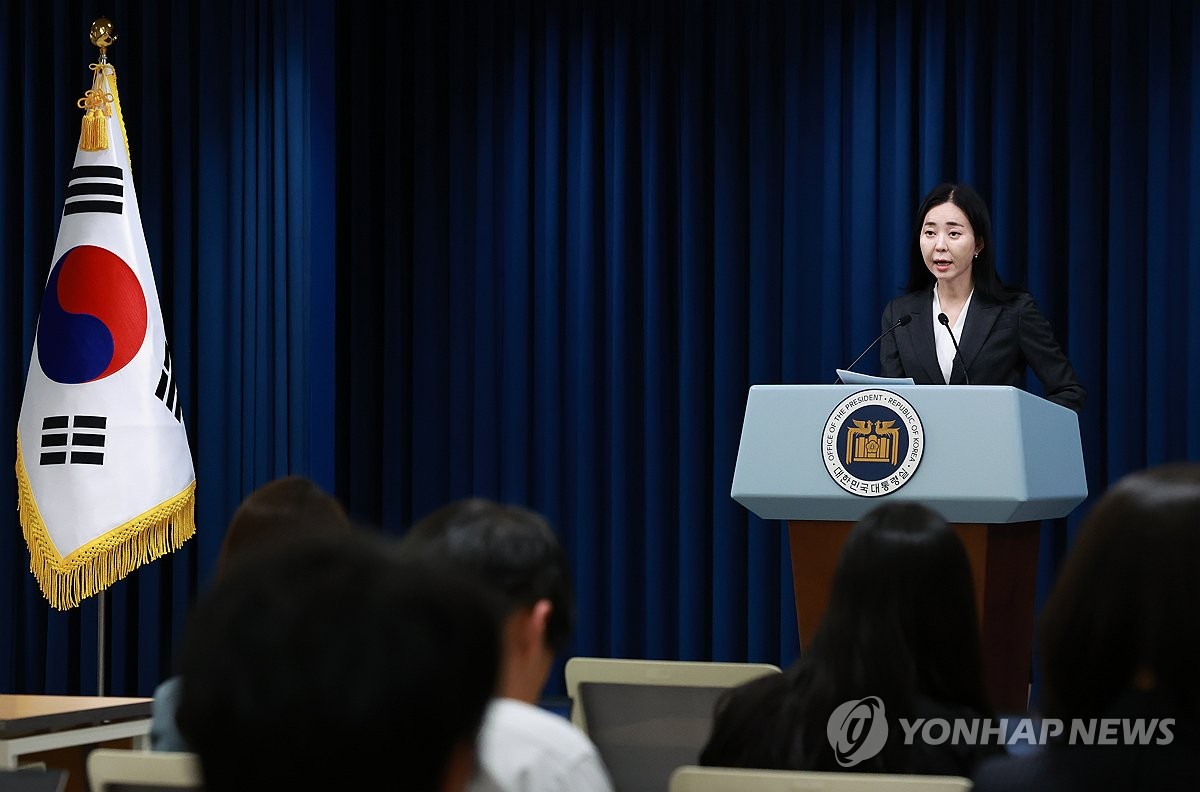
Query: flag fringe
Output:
(116,103)
(103,561)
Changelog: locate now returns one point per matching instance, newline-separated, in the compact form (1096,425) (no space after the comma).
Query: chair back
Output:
(725,779)
(648,717)
(116,770)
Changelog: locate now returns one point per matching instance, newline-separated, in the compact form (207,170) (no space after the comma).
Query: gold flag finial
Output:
(97,103)
(102,35)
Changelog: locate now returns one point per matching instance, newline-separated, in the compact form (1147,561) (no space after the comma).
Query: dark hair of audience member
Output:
(900,624)
(288,508)
(1123,613)
(331,664)
(512,548)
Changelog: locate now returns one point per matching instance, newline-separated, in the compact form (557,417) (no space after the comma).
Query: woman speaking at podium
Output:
(968,328)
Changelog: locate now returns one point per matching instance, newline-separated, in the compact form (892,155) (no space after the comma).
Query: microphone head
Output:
(903,320)
(942,318)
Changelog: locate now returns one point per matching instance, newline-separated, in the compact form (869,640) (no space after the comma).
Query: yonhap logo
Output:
(857,730)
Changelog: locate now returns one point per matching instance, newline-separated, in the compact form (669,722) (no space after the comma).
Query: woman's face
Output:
(948,244)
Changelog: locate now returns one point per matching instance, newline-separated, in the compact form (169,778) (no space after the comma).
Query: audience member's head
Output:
(276,515)
(513,551)
(279,512)
(902,602)
(900,625)
(331,664)
(1123,614)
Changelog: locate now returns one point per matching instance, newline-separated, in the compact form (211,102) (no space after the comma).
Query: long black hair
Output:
(901,623)
(1127,598)
(983,268)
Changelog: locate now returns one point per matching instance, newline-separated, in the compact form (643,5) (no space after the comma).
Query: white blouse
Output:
(941,339)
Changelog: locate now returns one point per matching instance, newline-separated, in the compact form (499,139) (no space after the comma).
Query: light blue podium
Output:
(993,460)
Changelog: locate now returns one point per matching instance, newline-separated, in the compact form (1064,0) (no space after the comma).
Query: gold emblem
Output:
(872,441)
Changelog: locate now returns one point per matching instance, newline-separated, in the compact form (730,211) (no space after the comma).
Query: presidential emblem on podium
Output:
(872,443)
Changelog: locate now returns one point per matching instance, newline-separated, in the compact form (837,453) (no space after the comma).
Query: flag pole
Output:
(100,644)
(102,35)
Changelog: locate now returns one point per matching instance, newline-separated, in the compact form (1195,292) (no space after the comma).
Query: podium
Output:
(992,460)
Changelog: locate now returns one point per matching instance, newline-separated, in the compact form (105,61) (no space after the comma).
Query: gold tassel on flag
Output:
(93,136)
(97,103)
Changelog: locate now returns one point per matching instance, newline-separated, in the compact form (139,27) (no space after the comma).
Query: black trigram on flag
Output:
(95,188)
(167,390)
(73,442)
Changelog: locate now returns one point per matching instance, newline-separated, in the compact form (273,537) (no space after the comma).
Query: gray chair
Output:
(648,717)
(112,770)
(724,779)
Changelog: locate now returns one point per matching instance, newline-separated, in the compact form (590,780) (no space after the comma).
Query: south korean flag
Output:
(104,471)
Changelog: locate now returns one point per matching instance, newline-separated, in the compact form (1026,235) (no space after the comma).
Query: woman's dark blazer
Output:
(998,341)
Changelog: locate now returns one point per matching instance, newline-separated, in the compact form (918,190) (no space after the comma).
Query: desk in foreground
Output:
(30,724)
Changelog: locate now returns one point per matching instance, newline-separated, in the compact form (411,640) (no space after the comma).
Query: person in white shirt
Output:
(522,747)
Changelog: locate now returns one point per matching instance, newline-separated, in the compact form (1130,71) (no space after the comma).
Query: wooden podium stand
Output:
(996,462)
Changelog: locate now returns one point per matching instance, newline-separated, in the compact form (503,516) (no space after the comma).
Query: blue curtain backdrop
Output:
(589,227)
(556,242)
(225,104)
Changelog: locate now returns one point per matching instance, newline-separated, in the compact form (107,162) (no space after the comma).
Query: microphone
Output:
(946,324)
(901,322)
